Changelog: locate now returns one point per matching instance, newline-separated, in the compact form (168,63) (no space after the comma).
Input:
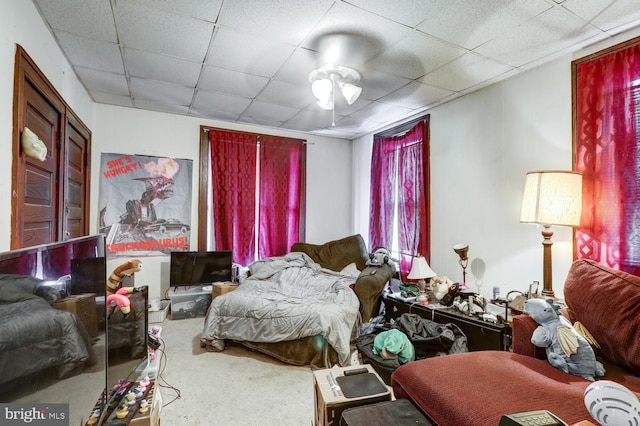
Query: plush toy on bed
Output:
(567,350)
(381,256)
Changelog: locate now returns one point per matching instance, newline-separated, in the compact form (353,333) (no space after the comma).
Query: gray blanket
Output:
(286,298)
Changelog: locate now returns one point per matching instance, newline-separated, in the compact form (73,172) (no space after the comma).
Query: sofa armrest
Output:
(522,329)
(369,285)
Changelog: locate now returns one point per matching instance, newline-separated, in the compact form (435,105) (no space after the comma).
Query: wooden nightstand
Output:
(481,335)
(84,306)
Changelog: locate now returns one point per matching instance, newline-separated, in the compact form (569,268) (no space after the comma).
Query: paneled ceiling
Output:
(248,61)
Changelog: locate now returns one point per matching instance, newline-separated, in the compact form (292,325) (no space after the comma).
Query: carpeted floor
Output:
(229,388)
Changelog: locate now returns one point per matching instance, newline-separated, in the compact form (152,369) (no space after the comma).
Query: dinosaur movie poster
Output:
(145,204)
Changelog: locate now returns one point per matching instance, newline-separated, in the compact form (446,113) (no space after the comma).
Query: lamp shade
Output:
(552,198)
(420,269)
(350,92)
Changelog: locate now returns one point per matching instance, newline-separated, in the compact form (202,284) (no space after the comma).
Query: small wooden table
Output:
(84,306)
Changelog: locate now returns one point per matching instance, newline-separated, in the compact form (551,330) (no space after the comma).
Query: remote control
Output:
(355,371)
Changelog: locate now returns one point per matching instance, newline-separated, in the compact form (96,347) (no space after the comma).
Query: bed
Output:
(34,336)
(300,308)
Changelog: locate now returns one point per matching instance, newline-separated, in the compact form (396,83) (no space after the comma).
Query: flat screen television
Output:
(189,268)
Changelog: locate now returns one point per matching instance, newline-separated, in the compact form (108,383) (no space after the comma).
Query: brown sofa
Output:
(477,388)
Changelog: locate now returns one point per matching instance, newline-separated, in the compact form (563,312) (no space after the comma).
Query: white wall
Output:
(131,131)
(21,24)
(482,145)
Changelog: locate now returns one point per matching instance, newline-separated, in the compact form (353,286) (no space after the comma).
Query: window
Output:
(257,193)
(399,213)
(606,142)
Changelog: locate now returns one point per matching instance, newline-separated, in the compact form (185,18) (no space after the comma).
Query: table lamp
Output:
(462,250)
(551,198)
(421,271)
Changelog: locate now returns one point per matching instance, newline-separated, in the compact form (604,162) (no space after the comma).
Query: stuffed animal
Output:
(32,145)
(445,290)
(114,282)
(566,349)
(381,256)
(394,344)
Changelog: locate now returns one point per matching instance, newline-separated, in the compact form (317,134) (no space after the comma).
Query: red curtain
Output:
(606,144)
(233,181)
(281,181)
(399,167)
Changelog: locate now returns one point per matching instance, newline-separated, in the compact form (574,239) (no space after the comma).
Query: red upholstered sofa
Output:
(477,388)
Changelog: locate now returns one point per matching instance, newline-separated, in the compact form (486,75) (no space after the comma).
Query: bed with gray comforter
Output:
(285,299)
(34,336)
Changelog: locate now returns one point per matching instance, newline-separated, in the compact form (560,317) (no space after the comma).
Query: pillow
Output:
(17,288)
(351,270)
(605,301)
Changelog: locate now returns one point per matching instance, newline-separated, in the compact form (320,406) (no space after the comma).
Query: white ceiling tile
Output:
(415,55)
(359,125)
(309,120)
(160,67)
(472,23)
(415,96)
(464,72)
(234,83)
(283,93)
(218,115)
(101,81)
(111,99)
(96,22)
(298,66)
(160,92)
(160,32)
(219,102)
(270,112)
(378,112)
(260,121)
(351,36)
(248,44)
(246,53)
(201,9)
(281,20)
(161,107)
(411,13)
(549,34)
(376,84)
(605,14)
(97,55)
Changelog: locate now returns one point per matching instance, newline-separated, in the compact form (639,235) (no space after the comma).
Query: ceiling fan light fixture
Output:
(325,103)
(351,92)
(325,79)
(322,89)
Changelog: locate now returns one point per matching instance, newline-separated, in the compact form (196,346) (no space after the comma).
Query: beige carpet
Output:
(229,388)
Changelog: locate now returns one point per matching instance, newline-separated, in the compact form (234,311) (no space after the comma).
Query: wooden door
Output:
(37,191)
(76,196)
(49,198)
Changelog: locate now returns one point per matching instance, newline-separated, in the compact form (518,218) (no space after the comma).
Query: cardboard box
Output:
(189,302)
(221,288)
(330,400)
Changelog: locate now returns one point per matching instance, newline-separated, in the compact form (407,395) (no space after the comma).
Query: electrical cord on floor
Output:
(161,381)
